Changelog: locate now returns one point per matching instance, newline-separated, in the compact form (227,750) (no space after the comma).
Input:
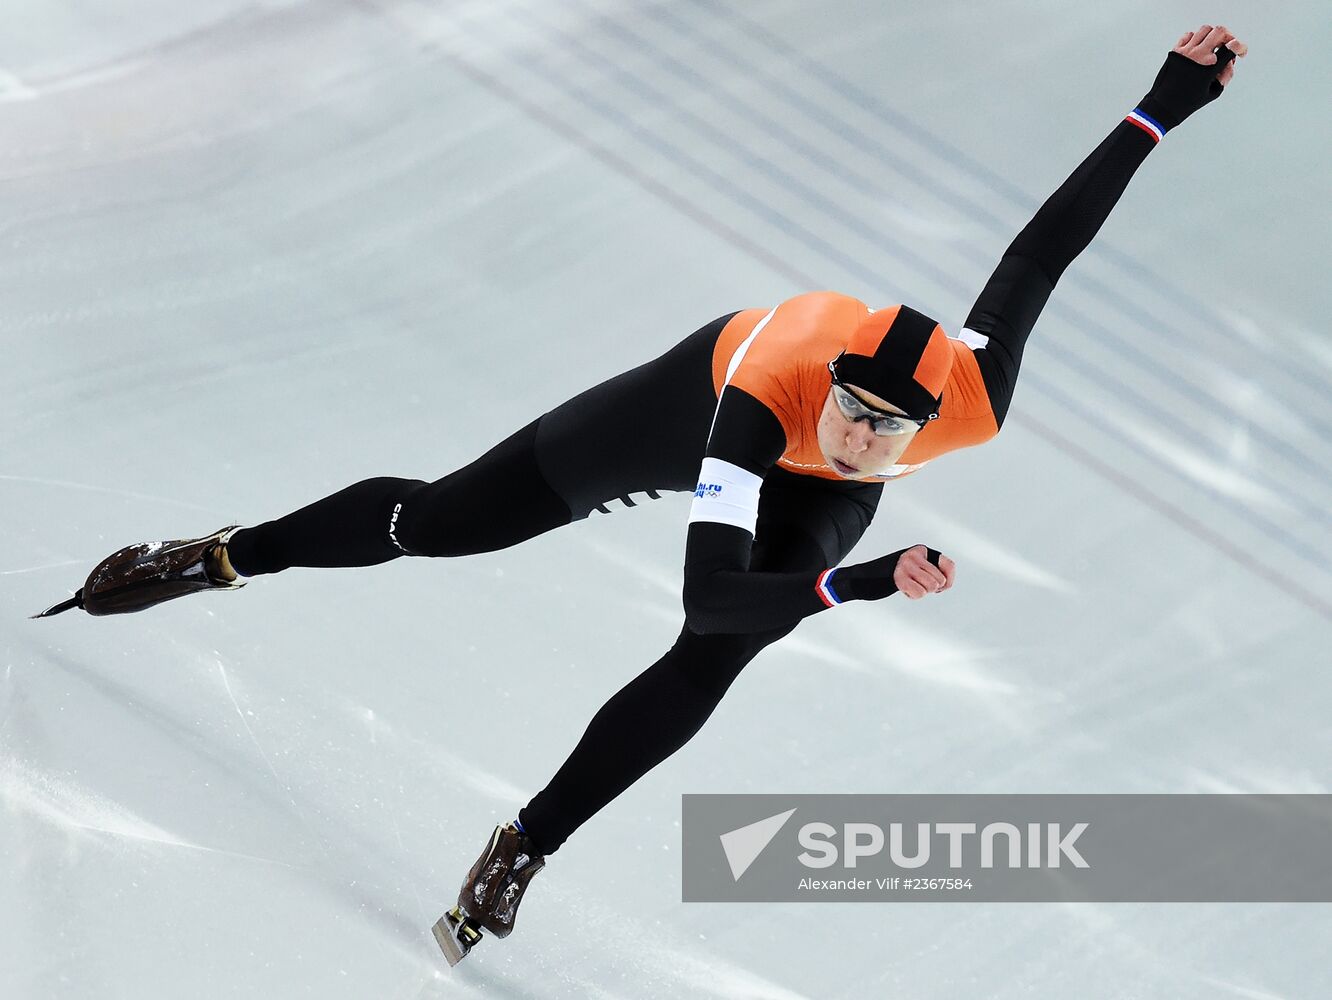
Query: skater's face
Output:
(850,446)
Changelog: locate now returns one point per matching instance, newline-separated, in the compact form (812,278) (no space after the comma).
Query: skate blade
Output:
(74,602)
(455,936)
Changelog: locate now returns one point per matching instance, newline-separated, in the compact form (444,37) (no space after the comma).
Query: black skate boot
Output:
(149,573)
(490,896)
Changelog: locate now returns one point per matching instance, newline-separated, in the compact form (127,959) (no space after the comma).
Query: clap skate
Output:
(490,895)
(139,576)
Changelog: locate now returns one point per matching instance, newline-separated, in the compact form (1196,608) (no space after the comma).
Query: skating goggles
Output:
(883,424)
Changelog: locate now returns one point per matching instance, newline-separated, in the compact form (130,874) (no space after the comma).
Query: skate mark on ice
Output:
(1251,778)
(14,88)
(969,547)
(54,565)
(683,963)
(1191,463)
(161,719)
(931,655)
(922,654)
(468,772)
(131,494)
(1217,540)
(226,683)
(668,582)
(1248,992)
(116,65)
(286,789)
(76,810)
(719,978)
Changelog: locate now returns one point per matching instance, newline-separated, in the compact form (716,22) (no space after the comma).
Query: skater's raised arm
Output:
(721,593)
(1008,306)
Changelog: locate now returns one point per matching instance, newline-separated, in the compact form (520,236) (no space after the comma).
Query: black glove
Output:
(1183,86)
(873,580)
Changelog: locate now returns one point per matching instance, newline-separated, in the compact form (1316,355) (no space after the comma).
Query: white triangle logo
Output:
(742,846)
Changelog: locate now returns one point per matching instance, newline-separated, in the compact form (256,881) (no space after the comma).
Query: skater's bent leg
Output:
(802,525)
(640,726)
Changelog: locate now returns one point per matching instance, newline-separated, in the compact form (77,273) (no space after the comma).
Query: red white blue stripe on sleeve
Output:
(823,587)
(1147,123)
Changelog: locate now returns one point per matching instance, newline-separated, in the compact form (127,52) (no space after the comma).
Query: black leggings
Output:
(623,442)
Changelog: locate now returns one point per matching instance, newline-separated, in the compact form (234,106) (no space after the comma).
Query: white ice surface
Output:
(253,252)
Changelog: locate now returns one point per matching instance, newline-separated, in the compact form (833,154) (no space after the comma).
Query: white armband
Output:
(976,341)
(726,494)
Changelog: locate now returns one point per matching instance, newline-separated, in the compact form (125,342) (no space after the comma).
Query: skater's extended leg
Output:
(639,431)
(494,502)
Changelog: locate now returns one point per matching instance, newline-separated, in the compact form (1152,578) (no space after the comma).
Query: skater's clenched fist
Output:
(916,576)
(916,571)
(1200,46)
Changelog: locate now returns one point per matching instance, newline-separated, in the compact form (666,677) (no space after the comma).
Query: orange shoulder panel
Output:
(965,416)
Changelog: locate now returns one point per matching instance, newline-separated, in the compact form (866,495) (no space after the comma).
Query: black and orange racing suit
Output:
(758,563)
